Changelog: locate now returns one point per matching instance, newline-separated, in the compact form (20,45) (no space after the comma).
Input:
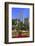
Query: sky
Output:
(20,13)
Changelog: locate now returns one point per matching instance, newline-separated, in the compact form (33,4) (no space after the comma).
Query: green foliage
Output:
(13,22)
(20,25)
(26,27)
(17,27)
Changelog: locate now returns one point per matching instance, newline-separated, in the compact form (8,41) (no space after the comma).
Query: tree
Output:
(13,22)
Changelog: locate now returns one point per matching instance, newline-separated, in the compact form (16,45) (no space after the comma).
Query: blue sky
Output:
(16,12)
